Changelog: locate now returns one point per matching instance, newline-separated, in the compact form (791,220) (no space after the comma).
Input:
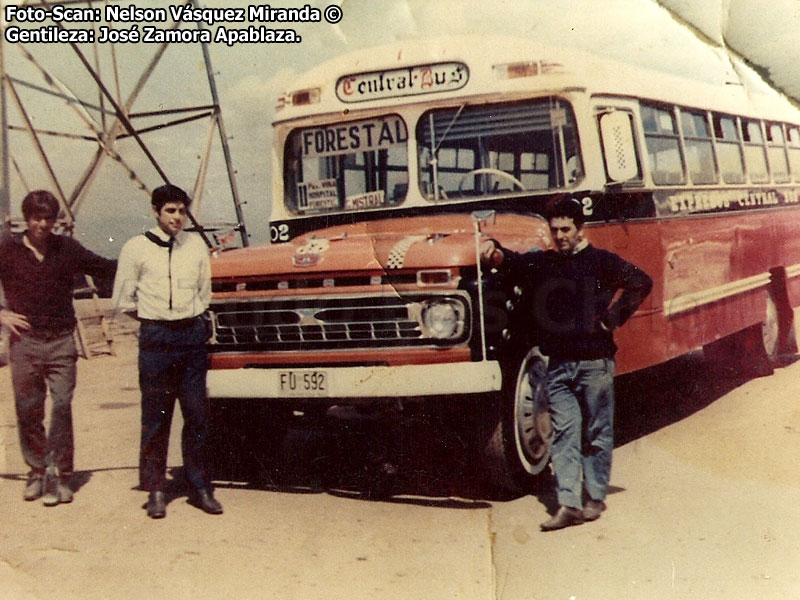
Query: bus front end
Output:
(356,312)
(384,184)
(370,314)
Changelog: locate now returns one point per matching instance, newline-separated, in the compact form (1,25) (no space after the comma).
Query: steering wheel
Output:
(489,171)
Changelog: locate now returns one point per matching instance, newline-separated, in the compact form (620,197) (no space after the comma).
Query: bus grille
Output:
(332,323)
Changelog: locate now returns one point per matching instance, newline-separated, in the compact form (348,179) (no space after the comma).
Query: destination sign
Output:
(408,81)
(317,195)
(359,136)
(366,200)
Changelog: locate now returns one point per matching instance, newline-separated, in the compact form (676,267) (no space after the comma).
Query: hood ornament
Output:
(310,253)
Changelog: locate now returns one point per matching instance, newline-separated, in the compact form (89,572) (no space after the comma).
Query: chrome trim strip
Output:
(690,301)
(792,271)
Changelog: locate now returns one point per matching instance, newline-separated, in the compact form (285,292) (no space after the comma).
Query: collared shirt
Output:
(584,243)
(41,289)
(39,256)
(163,283)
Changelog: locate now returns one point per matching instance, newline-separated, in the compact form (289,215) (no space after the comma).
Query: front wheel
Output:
(518,447)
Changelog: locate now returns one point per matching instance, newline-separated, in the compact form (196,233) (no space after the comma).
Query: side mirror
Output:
(619,149)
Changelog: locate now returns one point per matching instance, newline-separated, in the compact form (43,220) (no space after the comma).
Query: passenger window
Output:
(755,157)
(728,149)
(793,137)
(699,147)
(663,148)
(776,153)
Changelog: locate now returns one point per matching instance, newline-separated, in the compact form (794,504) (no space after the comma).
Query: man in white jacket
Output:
(164,276)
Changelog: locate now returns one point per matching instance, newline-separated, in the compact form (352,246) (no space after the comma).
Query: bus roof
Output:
(494,64)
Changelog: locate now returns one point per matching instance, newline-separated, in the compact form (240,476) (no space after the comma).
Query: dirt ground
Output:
(703,505)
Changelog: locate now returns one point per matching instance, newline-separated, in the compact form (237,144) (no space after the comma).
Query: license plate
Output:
(303,383)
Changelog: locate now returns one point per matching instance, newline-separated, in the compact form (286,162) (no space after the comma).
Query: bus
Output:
(391,164)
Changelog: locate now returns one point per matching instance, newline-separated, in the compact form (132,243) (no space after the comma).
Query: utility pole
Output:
(5,205)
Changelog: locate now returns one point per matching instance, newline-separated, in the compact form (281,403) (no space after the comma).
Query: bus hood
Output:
(404,243)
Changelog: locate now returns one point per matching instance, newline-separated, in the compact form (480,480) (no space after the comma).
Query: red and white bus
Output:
(389,164)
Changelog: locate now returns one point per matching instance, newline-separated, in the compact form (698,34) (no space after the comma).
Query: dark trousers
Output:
(172,364)
(42,361)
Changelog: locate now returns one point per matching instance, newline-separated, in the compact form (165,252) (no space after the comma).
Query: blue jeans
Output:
(41,362)
(581,396)
(172,364)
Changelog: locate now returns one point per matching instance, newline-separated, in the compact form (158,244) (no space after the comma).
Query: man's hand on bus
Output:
(491,255)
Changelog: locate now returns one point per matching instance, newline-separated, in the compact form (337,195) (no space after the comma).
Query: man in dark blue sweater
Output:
(37,270)
(574,312)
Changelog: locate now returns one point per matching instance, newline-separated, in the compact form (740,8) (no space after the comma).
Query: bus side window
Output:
(663,147)
(699,147)
(794,151)
(776,153)
(755,157)
(729,152)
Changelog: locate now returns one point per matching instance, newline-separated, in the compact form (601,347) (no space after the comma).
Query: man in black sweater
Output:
(574,312)
(37,270)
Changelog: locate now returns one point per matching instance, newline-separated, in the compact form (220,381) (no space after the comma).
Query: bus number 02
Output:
(279,233)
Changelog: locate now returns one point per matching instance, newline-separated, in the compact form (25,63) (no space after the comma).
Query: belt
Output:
(176,325)
(48,333)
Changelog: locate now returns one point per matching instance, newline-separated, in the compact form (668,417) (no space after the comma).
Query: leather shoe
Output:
(565,517)
(156,505)
(64,492)
(205,501)
(33,488)
(50,490)
(593,510)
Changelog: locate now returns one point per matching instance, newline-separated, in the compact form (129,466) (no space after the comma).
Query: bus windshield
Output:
(347,166)
(495,149)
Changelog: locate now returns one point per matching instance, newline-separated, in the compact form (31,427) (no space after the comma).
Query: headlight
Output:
(443,319)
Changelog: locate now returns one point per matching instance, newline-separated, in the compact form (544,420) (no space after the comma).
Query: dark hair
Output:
(169,193)
(566,207)
(40,202)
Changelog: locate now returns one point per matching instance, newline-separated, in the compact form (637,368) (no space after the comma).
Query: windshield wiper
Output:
(434,161)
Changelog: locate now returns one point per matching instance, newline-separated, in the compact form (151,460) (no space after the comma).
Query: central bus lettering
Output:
(407,81)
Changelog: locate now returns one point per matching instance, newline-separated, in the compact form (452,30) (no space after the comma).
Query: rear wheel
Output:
(518,447)
(767,346)
(753,351)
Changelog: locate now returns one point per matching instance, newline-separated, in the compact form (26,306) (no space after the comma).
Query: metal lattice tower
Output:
(117,121)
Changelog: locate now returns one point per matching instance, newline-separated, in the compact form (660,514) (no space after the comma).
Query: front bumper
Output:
(328,381)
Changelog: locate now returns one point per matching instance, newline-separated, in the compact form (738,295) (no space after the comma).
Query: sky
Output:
(679,36)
